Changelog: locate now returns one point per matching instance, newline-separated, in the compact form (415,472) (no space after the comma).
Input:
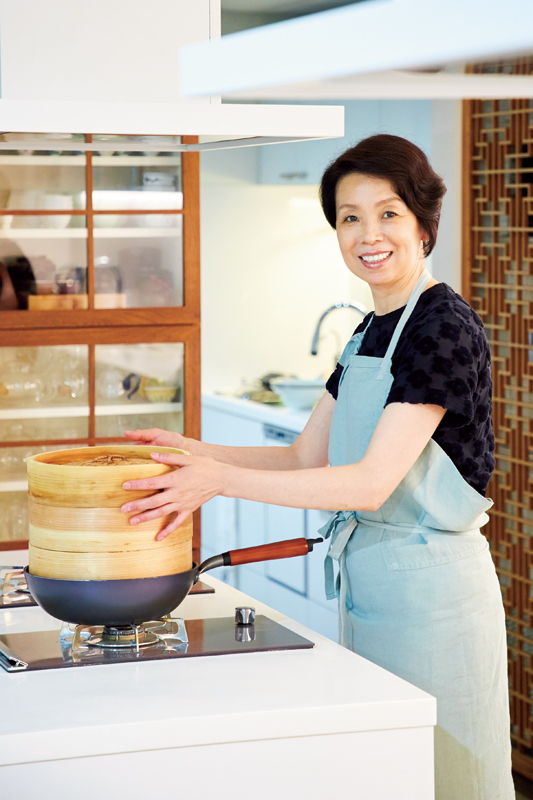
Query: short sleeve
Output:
(441,362)
(332,383)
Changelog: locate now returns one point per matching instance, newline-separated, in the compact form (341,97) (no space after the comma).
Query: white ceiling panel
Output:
(362,38)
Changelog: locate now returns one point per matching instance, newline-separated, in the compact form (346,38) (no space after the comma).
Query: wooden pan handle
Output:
(270,552)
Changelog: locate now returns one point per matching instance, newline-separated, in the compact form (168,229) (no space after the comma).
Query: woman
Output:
(405,426)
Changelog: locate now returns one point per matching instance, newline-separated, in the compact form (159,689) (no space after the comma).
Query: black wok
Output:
(133,601)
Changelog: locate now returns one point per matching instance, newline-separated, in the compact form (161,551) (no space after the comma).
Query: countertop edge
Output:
(259,412)
(173,733)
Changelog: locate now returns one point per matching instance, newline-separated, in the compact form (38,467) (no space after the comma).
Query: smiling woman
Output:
(406,430)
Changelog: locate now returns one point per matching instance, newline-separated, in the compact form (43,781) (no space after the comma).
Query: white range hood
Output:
(370,49)
(112,67)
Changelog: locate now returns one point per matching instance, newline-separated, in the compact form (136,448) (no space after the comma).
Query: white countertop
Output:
(260,412)
(133,707)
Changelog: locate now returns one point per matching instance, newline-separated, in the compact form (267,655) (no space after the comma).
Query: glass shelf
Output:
(101,161)
(99,233)
(83,411)
(43,233)
(13,486)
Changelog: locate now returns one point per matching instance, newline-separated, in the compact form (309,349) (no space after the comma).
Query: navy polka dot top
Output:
(442,358)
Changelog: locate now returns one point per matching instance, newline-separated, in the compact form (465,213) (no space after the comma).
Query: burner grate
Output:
(122,637)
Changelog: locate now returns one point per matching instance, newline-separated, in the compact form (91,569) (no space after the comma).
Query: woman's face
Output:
(379,237)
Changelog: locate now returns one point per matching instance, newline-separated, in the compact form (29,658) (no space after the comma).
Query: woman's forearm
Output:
(401,435)
(309,450)
(258,458)
(334,488)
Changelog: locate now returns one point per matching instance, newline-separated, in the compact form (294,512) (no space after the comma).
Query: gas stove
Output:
(169,638)
(14,590)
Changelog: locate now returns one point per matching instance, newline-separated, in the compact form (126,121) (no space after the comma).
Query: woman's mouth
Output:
(373,260)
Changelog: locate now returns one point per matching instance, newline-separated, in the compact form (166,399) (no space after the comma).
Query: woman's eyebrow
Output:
(388,200)
(379,203)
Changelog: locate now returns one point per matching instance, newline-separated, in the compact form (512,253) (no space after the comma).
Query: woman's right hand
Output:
(156,437)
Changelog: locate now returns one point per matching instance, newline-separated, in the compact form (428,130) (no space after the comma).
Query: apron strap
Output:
(340,528)
(354,343)
(419,287)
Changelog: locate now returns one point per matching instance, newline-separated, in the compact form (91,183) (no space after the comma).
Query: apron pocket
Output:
(421,549)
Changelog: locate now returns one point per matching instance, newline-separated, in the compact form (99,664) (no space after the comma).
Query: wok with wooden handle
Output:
(137,600)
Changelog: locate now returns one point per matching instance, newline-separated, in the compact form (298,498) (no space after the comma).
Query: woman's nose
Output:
(371,233)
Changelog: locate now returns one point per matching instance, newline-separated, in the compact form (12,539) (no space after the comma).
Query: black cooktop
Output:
(199,637)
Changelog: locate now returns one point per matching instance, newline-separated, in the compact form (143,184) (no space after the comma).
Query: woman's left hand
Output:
(181,491)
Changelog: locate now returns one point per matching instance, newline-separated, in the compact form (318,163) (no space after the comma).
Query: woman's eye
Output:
(350,218)
(389,214)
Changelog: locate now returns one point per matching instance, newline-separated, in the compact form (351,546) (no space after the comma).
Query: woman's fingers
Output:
(143,436)
(173,459)
(153,501)
(180,490)
(158,485)
(178,520)
(160,481)
(154,513)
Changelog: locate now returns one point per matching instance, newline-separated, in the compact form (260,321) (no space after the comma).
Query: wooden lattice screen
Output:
(498,282)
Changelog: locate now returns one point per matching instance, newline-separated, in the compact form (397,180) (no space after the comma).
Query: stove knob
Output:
(244,615)
(244,633)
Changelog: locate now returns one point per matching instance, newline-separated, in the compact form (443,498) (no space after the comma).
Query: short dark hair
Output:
(398,161)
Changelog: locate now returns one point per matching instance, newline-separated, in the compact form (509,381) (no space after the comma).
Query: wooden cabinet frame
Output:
(92,326)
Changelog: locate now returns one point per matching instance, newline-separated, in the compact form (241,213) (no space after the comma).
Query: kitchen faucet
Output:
(359,307)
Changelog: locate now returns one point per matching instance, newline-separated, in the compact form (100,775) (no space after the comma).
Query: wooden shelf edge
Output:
(22,544)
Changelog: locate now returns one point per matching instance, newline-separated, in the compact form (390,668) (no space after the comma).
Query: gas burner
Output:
(75,639)
(122,636)
(13,588)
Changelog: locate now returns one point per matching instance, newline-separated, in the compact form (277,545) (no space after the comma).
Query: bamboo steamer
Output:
(77,530)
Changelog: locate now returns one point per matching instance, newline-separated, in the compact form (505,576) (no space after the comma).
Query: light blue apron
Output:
(418,592)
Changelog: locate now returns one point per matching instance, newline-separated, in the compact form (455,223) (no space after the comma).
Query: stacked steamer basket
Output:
(77,530)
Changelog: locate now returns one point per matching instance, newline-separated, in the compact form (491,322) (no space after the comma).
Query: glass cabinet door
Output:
(43,397)
(138,386)
(99,245)
(121,212)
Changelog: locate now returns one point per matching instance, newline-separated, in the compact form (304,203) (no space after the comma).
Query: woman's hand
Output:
(156,437)
(181,491)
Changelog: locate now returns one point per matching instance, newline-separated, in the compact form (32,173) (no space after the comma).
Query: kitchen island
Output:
(308,723)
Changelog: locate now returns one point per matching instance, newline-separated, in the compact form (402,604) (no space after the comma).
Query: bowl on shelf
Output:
(160,393)
(298,394)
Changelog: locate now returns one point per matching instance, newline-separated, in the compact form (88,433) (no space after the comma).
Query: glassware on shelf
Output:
(70,383)
(115,385)
(20,391)
(13,459)
(20,387)
(138,366)
(14,515)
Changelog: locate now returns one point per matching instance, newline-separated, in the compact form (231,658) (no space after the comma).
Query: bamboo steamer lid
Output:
(77,530)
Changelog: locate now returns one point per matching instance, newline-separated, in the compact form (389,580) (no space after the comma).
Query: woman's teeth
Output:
(377,258)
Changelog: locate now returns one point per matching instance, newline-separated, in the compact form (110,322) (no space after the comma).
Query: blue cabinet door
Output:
(304,162)
(286,523)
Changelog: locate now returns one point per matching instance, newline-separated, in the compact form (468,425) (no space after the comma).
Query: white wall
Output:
(446,159)
(270,267)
